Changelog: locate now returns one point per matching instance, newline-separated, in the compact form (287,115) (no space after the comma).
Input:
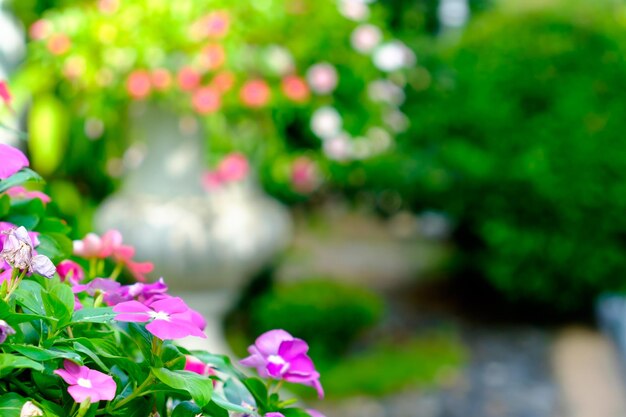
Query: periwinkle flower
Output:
(5,331)
(87,383)
(18,252)
(70,271)
(277,354)
(11,161)
(170,318)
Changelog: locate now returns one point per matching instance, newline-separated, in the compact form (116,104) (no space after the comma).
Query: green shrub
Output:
(521,137)
(327,314)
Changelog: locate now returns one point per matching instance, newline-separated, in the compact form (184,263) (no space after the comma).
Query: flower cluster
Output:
(79,339)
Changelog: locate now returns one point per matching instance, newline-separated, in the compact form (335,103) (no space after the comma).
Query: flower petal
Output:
(12,159)
(269,342)
(43,266)
(132,311)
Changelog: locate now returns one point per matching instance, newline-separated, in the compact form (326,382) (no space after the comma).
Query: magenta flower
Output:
(234,167)
(138,291)
(274,414)
(103,285)
(19,192)
(5,331)
(70,271)
(194,365)
(277,354)
(87,383)
(11,161)
(5,94)
(170,318)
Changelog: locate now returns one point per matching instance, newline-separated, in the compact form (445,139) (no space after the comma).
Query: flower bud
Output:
(30,410)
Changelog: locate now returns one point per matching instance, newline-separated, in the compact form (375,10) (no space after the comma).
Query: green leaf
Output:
(9,362)
(55,246)
(186,409)
(40,354)
(53,225)
(94,315)
(11,405)
(224,403)
(57,307)
(19,178)
(28,295)
(236,393)
(199,387)
(214,410)
(5,205)
(258,390)
(29,221)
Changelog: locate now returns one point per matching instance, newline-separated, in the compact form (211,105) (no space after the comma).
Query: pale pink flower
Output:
(322,78)
(304,175)
(213,25)
(234,167)
(365,38)
(212,57)
(223,81)
(108,6)
(5,94)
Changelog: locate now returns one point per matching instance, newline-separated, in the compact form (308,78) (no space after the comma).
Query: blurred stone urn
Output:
(205,244)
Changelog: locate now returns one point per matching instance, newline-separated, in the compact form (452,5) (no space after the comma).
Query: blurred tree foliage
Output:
(521,137)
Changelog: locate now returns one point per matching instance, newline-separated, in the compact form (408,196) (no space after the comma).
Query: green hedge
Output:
(521,136)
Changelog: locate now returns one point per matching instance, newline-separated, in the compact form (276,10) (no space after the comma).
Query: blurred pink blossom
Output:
(5,94)
(188,79)
(322,78)
(70,271)
(223,81)
(161,79)
(21,193)
(295,88)
(138,84)
(212,57)
(304,175)
(59,43)
(213,25)
(206,100)
(234,167)
(40,29)
(255,93)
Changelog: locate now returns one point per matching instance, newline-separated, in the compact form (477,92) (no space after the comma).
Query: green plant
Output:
(329,315)
(521,138)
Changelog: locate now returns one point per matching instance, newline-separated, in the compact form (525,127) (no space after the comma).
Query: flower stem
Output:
(116,272)
(136,393)
(16,277)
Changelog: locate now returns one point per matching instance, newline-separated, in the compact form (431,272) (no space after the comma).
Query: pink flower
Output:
(213,57)
(223,81)
(314,413)
(39,29)
(234,167)
(138,84)
(138,291)
(5,94)
(304,175)
(170,318)
(322,78)
(295,88)
(87,383)
(110,245)
(19,192)
(11,161)
(98,285)
(59,43)
(161,79)
(70,271)
(214,25)
(255,93)
(274,414)
(206,100)
(108,6)
(188,79)
(277,354)
(194,365)
(211,180)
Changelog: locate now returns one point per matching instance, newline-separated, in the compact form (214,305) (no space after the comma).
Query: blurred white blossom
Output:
(392,56)
(322,78)
(356,10)
(385,91)
(326,122)
(365,38)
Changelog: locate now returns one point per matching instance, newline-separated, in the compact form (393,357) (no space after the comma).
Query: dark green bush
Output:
(327,314)
(521,137)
